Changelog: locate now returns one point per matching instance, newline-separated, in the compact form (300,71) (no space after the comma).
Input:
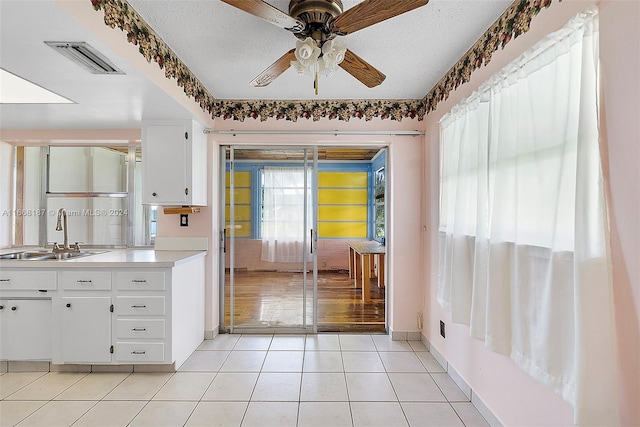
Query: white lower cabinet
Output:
(141,328)
(136,329)
(86,329)
(140,352)
(103,315)
(25,329)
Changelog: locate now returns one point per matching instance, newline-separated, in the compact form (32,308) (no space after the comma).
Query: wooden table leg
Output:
(358,269)
(381,270)
(366,276)
(352,272)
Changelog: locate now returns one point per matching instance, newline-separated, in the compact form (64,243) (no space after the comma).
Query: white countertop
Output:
(132,258)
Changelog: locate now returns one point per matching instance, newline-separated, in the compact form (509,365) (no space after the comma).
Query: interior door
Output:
(269,239)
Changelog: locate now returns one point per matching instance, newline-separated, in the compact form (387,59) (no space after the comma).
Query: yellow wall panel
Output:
(241,179)
(342,197)
(242,212)
(343,179)
(342,213)
(342,230)
(242,196)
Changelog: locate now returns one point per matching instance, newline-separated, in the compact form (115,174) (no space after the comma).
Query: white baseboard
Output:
(405,335)
(209,335)
(463,385)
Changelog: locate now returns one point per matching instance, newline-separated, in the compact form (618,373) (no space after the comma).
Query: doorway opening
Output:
(290,214)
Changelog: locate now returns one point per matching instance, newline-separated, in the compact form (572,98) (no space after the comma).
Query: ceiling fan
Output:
(317,23)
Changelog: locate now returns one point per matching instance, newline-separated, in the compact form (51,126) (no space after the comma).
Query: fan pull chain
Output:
(315,82)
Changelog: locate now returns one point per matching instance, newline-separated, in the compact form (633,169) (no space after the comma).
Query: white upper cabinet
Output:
(174,163)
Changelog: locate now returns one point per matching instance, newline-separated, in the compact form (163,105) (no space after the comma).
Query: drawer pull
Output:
(14,308)
(138,281)
(138,352)
(84,281)
(138,329)
(5,280)
(138,306)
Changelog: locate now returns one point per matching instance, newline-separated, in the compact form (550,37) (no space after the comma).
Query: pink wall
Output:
(514,397)
(405,172)
(620,54)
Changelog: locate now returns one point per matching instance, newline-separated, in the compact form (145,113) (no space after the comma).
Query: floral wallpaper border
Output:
(513,22)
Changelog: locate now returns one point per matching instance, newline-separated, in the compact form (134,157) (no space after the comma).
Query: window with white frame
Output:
(286,213)
(523,230)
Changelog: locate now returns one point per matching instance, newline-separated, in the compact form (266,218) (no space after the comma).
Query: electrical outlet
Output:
(184,220)
(442,332)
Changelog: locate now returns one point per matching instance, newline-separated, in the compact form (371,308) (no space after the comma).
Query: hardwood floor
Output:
(274,299)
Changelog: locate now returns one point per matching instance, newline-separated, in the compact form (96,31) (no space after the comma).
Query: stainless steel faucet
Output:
(62,215)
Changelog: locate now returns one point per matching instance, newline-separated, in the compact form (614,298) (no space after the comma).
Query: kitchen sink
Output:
(47,256)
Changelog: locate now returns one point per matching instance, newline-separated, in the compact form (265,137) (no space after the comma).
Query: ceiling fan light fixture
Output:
(309,61)
(333,52)
(307,51)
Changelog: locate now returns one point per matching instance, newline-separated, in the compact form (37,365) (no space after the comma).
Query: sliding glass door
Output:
(269,239)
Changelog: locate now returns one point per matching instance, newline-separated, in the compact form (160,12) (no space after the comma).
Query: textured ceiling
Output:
(226,48)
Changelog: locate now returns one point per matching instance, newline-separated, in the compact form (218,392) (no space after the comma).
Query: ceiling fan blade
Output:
(269,13)
(361,70)
(274,70)
(371,12)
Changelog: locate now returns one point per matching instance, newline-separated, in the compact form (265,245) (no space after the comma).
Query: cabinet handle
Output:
(154,194)
(1,307)
(14,308)
(68,305)
(138,352)
(138,281)
(84,281)
(138,306)
(139,329)
(5,280)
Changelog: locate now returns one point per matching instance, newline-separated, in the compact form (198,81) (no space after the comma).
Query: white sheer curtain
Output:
(524,249)
(283,213)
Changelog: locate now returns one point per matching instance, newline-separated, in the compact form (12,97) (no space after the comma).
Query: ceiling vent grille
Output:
(86,56)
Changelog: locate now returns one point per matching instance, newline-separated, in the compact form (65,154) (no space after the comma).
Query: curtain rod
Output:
(315,132)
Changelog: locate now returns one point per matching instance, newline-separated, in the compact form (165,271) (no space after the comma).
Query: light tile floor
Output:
(323,380)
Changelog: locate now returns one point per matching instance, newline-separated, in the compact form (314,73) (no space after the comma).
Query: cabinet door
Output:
(25,329)
(164,164)
(86,329)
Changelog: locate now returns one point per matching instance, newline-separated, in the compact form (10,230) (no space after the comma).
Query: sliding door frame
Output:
(307,240)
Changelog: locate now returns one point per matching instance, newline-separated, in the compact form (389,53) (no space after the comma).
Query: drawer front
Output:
(86,280)
(140,306)
(140,328)
(28,280)
(140,280)
(150,352)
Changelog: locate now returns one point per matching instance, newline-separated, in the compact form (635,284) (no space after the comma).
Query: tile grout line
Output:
(305,352)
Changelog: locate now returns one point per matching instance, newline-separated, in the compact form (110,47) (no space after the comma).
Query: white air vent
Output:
(83,54)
